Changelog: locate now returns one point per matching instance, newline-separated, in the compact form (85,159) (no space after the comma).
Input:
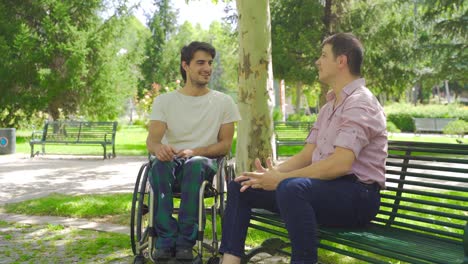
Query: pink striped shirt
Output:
(358,123)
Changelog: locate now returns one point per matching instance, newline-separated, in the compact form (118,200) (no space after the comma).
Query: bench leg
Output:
(105,151)
(32,150)
(113,150)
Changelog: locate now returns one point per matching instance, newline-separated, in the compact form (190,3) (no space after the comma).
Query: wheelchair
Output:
(142,232)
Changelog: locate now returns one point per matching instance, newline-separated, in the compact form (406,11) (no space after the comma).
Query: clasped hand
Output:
(263,178)
(167,153)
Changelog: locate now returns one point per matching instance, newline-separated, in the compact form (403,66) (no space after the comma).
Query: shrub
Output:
(392,128)
(458,127)
(402,121)
(401,114)
(302,118)
(141,123)
(277,115)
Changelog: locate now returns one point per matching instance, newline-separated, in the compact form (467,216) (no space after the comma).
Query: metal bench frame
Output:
(422,219)
(75,133)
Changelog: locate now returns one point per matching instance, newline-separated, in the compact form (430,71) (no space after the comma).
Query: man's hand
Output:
(165,153)
(267,179)
(185,153)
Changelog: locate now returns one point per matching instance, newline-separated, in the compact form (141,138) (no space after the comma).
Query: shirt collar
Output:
(348,89)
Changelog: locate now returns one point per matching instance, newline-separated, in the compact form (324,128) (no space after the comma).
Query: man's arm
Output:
(153,141)
(221,148)
(336,165)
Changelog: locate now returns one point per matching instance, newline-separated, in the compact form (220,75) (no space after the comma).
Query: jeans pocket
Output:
(368,202)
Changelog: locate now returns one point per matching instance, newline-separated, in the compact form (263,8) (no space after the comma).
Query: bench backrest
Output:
(286,131)
(76,131)
(431,124)
(427,189)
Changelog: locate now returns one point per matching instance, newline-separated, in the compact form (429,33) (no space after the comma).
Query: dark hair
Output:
(349,45)
(186,54)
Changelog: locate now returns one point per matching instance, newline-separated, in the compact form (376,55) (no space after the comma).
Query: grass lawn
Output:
(115,208)
(130,141)
(24,243)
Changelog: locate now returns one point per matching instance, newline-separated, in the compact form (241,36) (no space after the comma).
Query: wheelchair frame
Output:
(142,231)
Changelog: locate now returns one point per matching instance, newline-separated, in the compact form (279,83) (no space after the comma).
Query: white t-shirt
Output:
(193,121)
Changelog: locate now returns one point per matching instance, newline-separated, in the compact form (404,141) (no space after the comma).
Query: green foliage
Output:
(401,114)
(443,38)
(277,115)
(402,121)
(392,128)
(296,32)
(161,25)
(458,127)
(302,118)
(386,31)
(62,57)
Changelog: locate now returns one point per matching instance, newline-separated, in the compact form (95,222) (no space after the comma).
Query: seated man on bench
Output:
(336,178)
(189,129)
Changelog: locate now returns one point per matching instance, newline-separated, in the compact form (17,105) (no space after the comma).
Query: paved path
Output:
(23,178)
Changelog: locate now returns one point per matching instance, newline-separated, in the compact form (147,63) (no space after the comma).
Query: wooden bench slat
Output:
(410,210)
(393,172)
(396,243)
(423,158)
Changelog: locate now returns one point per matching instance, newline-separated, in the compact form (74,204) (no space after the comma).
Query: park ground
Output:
(44,239)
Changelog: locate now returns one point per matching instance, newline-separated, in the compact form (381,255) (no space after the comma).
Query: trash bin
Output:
(7,140)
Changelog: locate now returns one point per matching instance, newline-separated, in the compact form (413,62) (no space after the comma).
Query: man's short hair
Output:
(186,54)
(349,45)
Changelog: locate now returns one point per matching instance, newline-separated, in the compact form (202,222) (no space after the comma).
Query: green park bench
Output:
(291,133)
(431,124)
(422,219)
(75,133)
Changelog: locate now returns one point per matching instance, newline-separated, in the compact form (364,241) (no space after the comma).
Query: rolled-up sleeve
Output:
(355,129)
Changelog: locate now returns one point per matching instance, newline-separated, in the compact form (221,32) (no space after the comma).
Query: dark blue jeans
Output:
(304,204)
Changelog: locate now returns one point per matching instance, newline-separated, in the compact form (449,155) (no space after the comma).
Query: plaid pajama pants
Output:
(189,175)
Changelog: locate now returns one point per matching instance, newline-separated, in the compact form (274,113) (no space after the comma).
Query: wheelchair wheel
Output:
(229,175)
(139,214)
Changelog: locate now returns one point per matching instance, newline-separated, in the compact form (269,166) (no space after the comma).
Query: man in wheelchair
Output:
(189,128)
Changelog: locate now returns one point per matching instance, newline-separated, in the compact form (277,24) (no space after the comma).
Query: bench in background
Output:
(77,133)
(431,124)
(423,215)
(291,133)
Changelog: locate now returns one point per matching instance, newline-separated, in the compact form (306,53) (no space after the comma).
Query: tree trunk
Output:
(255,97)
(298,97)
(447,92)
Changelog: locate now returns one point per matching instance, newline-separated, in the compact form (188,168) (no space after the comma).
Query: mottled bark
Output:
(255,98)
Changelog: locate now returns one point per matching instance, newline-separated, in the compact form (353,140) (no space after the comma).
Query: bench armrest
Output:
(37,135)
(111,135)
